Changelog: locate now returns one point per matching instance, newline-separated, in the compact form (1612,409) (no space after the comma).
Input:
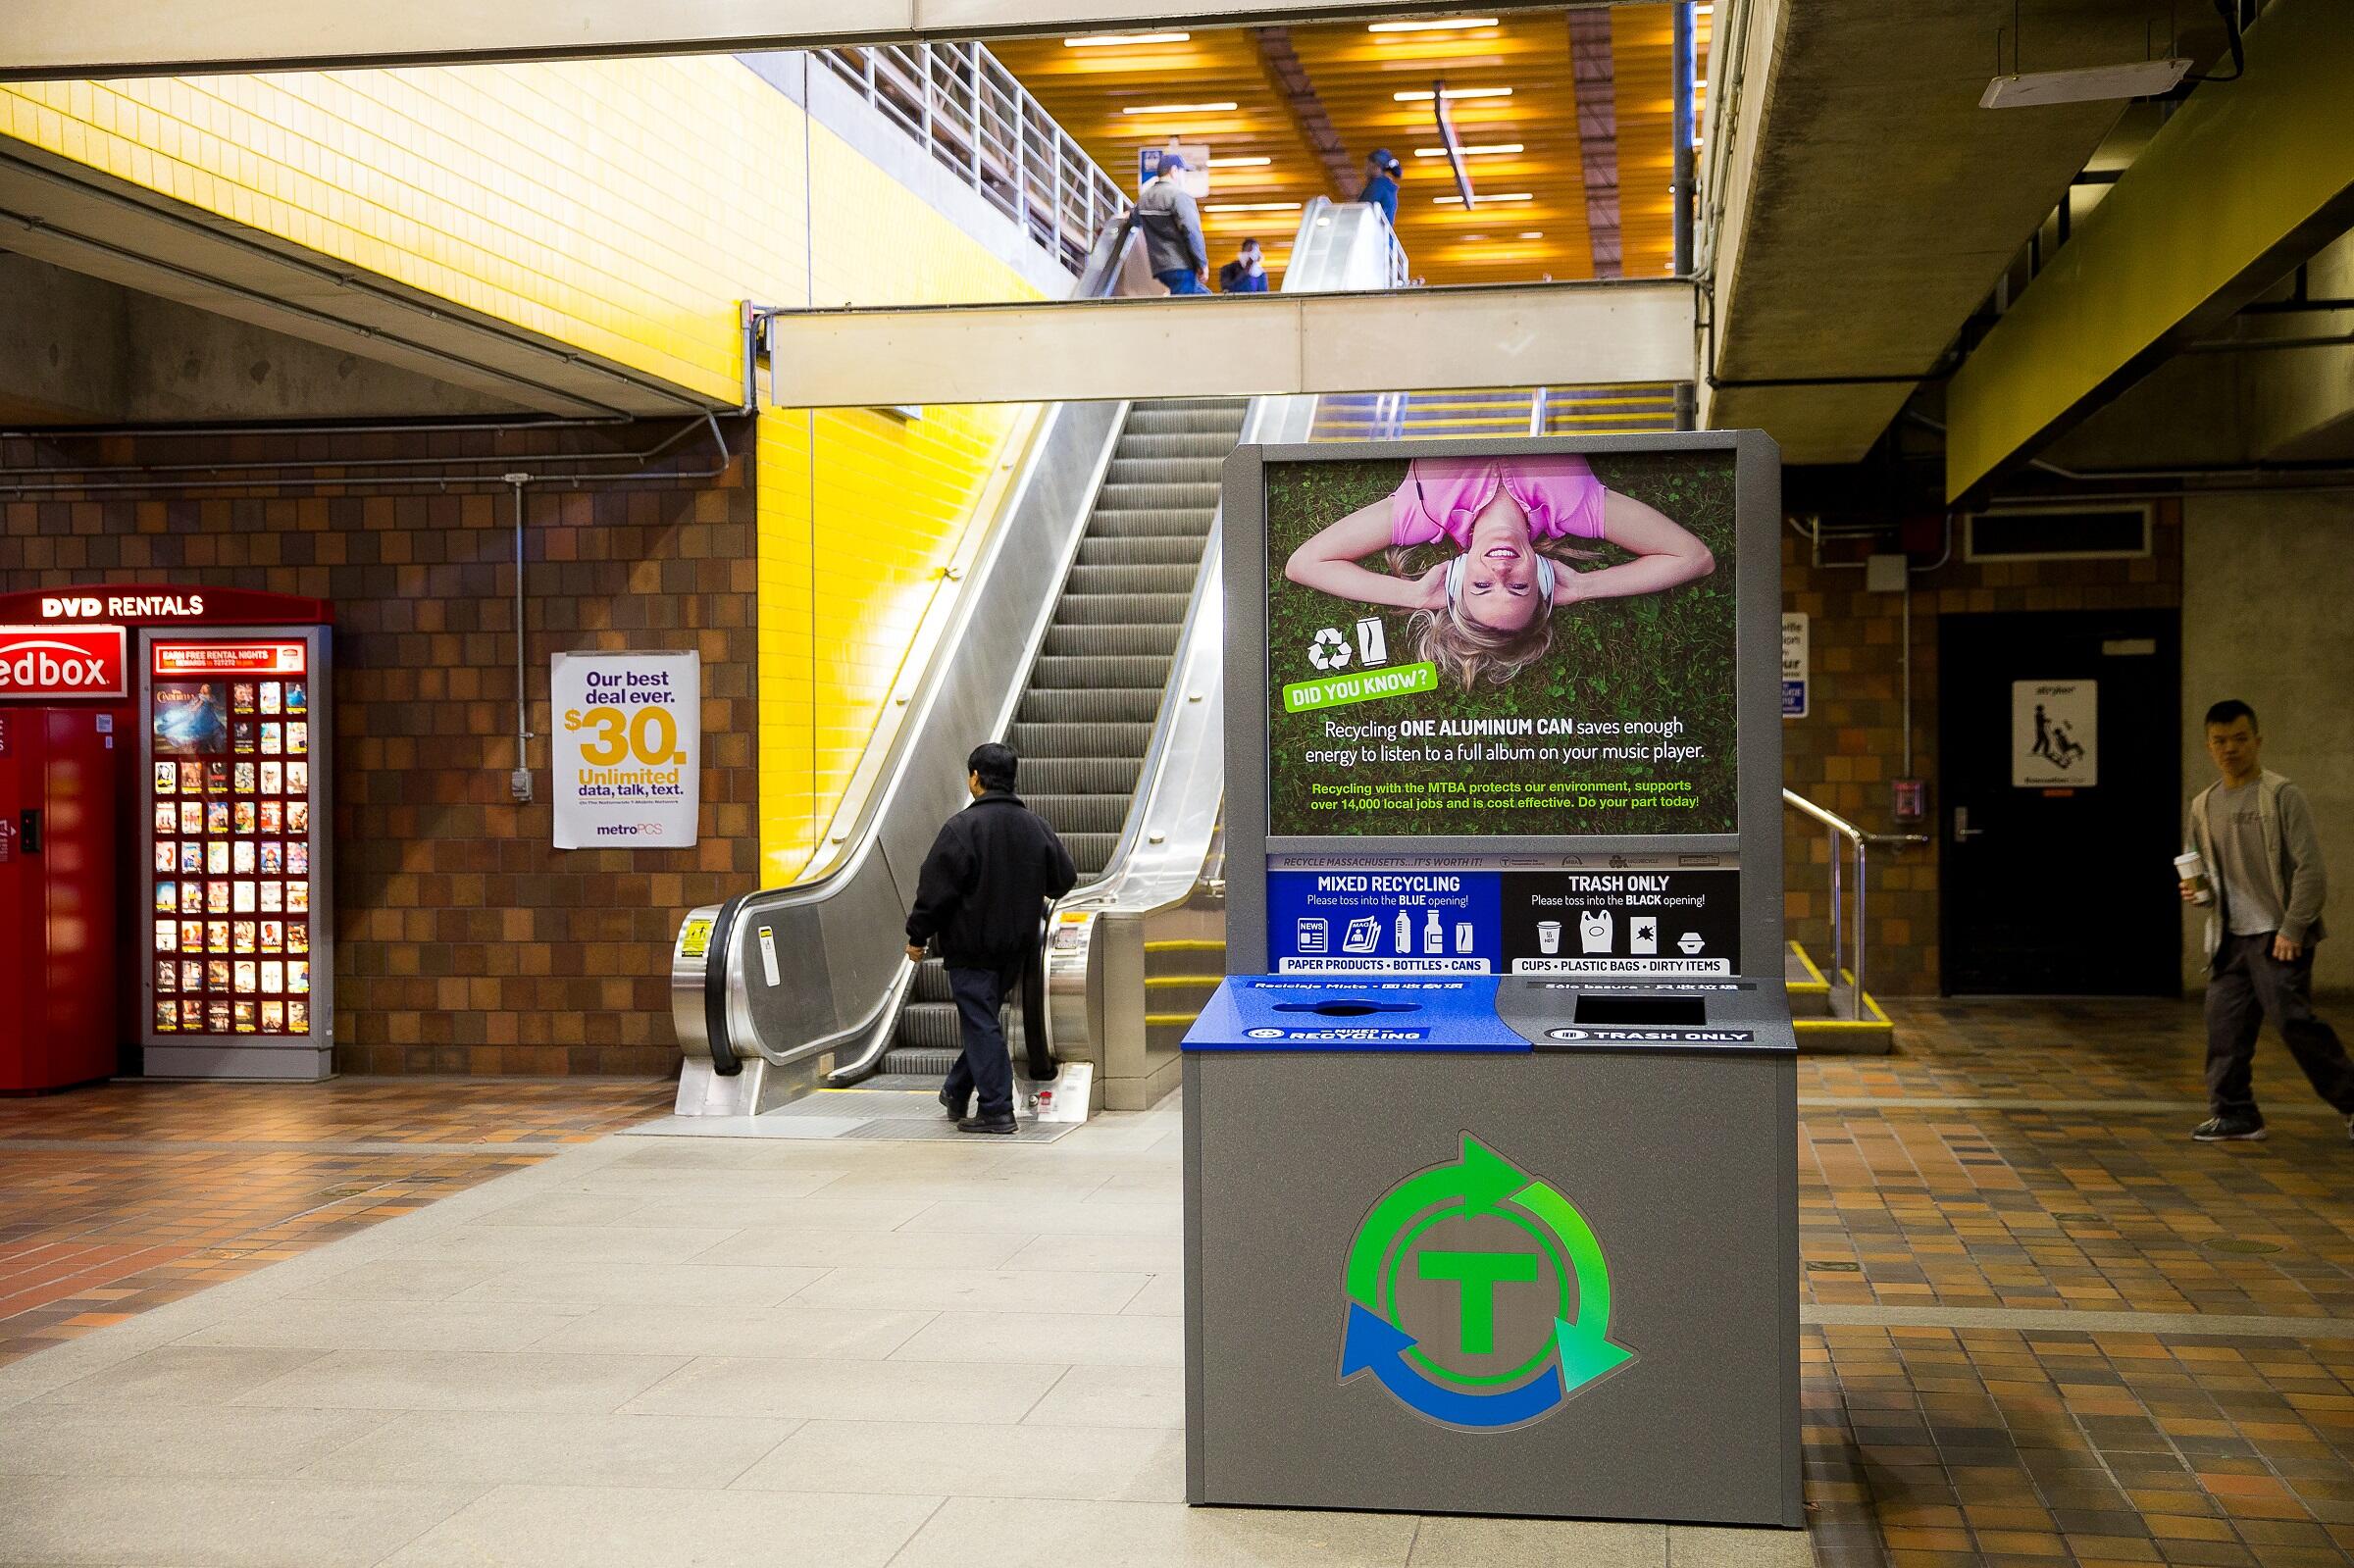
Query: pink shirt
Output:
(1442,496)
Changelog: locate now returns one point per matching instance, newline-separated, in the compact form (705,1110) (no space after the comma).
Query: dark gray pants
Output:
(2248,985)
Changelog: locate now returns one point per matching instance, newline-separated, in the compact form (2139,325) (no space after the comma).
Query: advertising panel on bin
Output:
(1523,644)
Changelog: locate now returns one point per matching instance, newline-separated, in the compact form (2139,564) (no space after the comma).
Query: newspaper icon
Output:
(1309,933)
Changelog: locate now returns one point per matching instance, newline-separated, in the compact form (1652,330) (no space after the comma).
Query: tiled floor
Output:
(120,1197)
(2043,1327)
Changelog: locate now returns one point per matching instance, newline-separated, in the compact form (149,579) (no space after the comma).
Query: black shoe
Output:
(955,1107)
(1004,1123)
(2229,1130)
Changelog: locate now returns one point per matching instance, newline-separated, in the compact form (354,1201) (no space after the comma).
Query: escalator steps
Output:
(1087,714)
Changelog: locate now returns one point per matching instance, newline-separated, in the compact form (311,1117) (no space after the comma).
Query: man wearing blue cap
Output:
(1174,249)
(1381,183)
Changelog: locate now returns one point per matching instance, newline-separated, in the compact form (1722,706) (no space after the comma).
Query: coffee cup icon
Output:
(1549,937)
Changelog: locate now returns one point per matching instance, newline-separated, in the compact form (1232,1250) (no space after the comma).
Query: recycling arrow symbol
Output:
(1329,651)
(1482,1182)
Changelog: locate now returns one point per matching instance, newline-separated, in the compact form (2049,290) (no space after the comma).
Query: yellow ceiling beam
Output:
(2248,177)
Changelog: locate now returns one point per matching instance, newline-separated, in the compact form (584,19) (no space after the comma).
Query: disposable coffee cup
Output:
(2191,869)
(1548,935)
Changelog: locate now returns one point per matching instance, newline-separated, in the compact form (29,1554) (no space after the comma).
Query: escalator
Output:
(1088,630)
(1087,707)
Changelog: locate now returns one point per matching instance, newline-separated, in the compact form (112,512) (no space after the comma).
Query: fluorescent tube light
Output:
(1240,163)
(1115,40)
(1483,150)
(1177,109)
(1508,195)
(1250,206)
(1452,93)
(1442,24)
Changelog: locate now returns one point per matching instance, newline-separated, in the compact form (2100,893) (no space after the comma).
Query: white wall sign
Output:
(628,749)
(2055,734)
(1196,178)
(1794,664)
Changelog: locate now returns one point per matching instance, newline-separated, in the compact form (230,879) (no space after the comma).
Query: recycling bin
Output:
(1493,1246)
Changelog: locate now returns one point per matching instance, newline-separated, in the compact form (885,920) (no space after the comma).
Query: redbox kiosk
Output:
(226,959)
(56,885)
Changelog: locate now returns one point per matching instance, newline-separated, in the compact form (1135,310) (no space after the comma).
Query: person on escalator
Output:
(1174,250)
(979,900)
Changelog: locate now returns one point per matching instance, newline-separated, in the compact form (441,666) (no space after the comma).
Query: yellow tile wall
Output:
(625,207)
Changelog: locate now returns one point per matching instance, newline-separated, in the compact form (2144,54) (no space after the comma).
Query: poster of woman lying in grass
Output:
(1509,644)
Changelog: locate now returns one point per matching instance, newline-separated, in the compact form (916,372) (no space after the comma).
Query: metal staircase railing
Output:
(1835,828)
(969,112)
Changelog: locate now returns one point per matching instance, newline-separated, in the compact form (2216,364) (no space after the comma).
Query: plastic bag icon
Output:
(1594,930)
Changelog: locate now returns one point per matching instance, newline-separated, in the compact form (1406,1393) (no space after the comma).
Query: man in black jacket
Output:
(980,896)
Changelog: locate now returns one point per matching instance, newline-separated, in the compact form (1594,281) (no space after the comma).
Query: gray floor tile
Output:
(388,1326)
(1717,1546)
(973,1290)
(160,1442)
(487,1448)
(849,1391)
(890,1249)
(1114,1396)
(1165,1297)
(1033,1218)
(790,1332)
(576,1527)
(177,1376)
(972,1532)
(393,1380)
(405,1279)
(1140,1254)
(686,1284)
(216,1524)
(1461,1543)
(569,1243)
(1053,1338)
(566,1208)
(1083,1463)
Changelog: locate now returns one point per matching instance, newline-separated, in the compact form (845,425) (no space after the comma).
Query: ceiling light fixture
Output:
(1483,150)
(1240,163)
(1442,24)
(1117,40)
(1509,195)
(1452,92)
(2139,78)
(1532,233)
(1251,207)
(1178,109)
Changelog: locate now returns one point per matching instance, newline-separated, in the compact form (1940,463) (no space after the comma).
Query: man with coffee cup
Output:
(2255,861)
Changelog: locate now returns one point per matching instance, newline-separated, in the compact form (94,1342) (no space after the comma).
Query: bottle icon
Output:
(1434,936)
(1406,933)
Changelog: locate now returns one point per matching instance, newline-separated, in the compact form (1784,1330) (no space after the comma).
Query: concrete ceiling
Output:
(1871,204)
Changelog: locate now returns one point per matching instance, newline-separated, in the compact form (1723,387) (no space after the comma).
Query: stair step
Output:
(1100,641)
(1177,580)
(1040,741)
(1103,705)
(1087,813)
(1081,775)
(1151,549)
(1122,609)
(1142,521)
(1064,674)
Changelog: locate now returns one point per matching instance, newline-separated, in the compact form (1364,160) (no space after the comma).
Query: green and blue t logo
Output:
(1478,1297)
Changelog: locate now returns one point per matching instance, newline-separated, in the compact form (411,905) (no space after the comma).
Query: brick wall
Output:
(465,941)
(1845,752)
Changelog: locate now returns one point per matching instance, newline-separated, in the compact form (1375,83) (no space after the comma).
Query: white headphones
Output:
(1455,576)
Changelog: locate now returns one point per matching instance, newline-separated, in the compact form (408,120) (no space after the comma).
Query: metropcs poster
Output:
(1511,645)
(628,749)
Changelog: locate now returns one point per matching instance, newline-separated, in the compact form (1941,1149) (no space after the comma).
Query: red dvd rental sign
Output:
(46,662)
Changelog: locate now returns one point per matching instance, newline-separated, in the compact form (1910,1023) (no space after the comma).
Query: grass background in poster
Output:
(1648,657)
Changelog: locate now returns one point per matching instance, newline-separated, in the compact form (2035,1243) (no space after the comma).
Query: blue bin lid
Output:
(1305,1013)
